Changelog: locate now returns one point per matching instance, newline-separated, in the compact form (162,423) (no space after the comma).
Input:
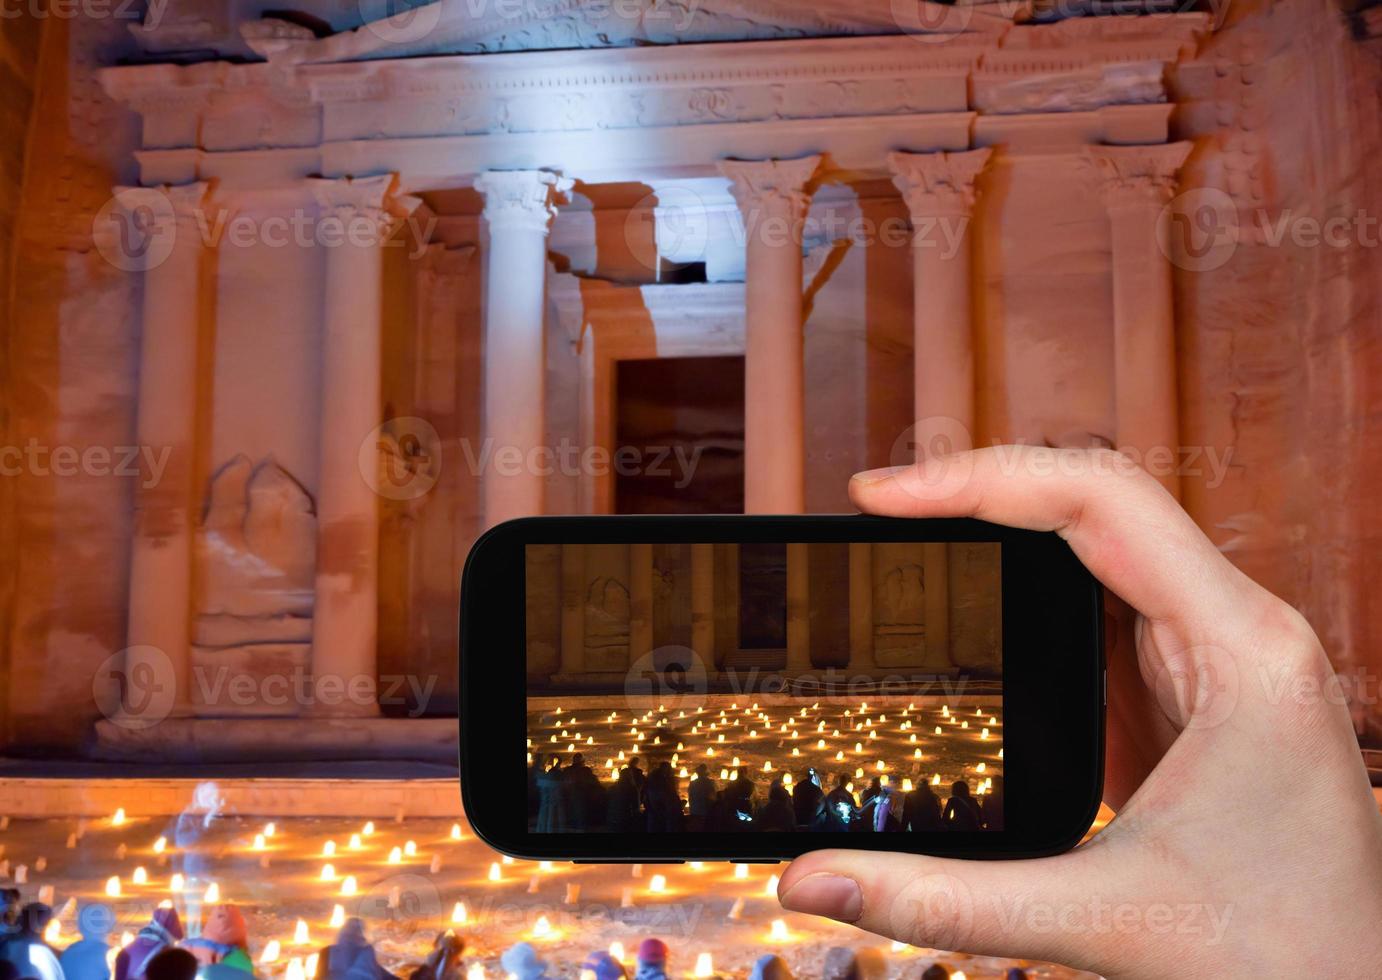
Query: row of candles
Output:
(862,721)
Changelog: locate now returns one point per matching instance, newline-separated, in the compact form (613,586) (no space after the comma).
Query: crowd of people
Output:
(572,798)
(162,951)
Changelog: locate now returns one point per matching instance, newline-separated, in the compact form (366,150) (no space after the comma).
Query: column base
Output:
(279,739)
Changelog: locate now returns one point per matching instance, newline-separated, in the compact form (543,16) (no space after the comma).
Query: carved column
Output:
(939,191)
(364,213)
(1137,182)
(773,200)
(171,255)
(519,208)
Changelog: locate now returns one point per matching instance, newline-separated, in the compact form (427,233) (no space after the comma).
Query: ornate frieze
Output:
(771,189)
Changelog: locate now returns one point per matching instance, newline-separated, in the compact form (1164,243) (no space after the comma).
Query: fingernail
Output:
(832,896)
(875,476)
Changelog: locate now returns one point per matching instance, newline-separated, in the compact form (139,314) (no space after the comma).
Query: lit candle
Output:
(658,884)
(458,914)
(160,845)
(258,842)
(705,967)
(140,876)
(337,916)
(349,887)
(113,886)
(542,929)
(455,831)
(494,873)
(271,951)
(329,849)
(118,819)
(778,933)
(328,872)
(300,934)
(213,894)
(396,856)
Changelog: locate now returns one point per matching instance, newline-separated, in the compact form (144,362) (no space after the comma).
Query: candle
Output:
(271,951)
(337,916)
(113,886)
(458,914)
(300,935)
(705,967)
(118,819)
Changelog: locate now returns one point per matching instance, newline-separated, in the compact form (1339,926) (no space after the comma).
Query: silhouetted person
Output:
(622,814)
(868,803)
(840,806)
(163,930)
(807,800)
(887,812)
(961,812)
(581,795)
(936,971)
(922,809)
(172,964)
(992,805)
(10,904)
(777,814)
(534,794)
(701,796)
(734,810)
(663,800)
(551,817)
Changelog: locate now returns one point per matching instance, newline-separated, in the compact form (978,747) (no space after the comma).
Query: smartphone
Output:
(666,689)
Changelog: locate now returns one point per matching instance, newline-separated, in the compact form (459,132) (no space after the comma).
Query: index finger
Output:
(1126,529)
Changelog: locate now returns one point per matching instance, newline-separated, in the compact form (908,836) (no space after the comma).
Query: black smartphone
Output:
(664,689)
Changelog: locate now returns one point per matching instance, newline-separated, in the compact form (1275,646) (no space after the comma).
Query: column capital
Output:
(369,208)
(939,183)
(139,227)
(1132,176)
(522,199)
(774,187)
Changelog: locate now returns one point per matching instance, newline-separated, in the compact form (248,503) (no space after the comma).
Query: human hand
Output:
(1247,841)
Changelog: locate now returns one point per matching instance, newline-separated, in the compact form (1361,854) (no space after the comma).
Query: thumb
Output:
(1043,909)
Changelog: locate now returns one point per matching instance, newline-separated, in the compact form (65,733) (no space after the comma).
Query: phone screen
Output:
(752,687)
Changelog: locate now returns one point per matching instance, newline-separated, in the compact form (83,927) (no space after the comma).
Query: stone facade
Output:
(416,238)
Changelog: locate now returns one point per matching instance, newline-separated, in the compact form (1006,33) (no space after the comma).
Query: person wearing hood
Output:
(522,962)
(770,967)
(350,957)
(600,965)
(10,904)
(652,960)
(444,962)
(86,958)
(27,949)
(164,930)
(172,964)
(223,947)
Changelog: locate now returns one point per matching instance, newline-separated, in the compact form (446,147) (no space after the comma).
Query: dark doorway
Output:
(762,596)
(680,430)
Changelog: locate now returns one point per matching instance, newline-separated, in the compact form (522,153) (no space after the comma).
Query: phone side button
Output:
(625,861)
(755,860)
(1105,686)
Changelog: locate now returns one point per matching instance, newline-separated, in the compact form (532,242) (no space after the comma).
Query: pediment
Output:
(472,27)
